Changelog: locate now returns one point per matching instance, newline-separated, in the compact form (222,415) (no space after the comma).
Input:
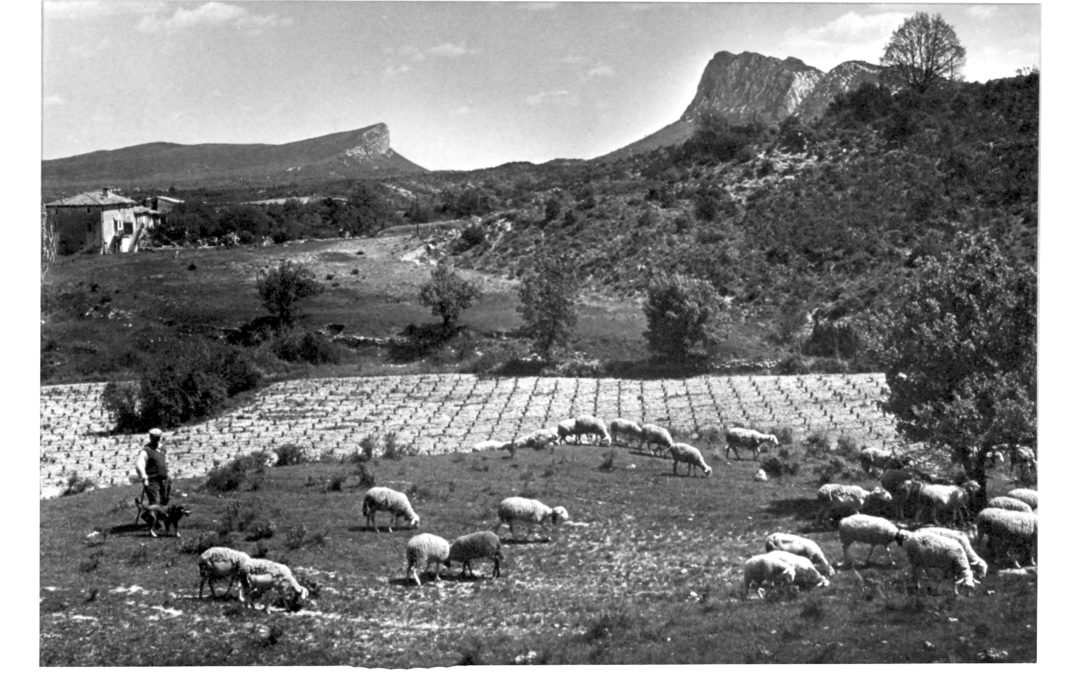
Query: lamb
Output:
(627,429)
(219,562)
(689,455)
(1005,530)
(656,435)
(384,499)
(258,575)
(469,547)
(746,439)
(907,494)
(806,574)
(587,426)
(766,568)
(422,551)
(793,543)
(948,498)
(531,512)
(977,564)
(1026,495)
(836,499)
(1008,503)
(865,529)
(926,549)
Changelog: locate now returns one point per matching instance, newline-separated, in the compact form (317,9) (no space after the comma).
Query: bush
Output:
(683,316)
(77,484)
(121,402)
(776,467)
(282,287)
(817,443)
(448,294)
(231,476)
(306,347)
(290,454)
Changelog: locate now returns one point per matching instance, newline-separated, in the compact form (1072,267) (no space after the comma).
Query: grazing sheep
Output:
(1026,495)
(493,446)
(1008,503)
(877,458)
(626,429)
(531,512)
(806,574)
(593,428)
(793,543)
(566,429)
(951,499)
(656,435)
(978,565)
(865,529)
(690,456)
(258,575)
(1006,530)
(891,479)
(835,499)
(538,440)
(905,495)
(929,550)
(219,562)
(384,499)
(767,568)
(423,550)
(469,547)
(746,439)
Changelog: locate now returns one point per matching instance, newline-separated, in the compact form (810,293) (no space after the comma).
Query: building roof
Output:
(144,209)
(104,197)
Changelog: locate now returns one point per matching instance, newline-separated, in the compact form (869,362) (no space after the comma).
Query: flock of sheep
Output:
(1008,523)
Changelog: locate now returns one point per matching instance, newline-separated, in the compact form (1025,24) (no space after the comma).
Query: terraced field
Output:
(437,414)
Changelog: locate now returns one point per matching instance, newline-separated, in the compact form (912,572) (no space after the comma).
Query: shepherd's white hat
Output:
(155,432)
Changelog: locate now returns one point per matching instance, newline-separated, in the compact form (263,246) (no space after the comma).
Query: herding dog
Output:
(169,516)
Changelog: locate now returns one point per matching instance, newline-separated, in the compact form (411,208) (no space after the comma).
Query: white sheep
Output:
(877,458)
(258,575)
(1008,503)
(806,574)
(385,499)
(567,428)
(219,562)
(926,550)
(539,439)
(532,512)
(836,499)
(1005,530)
(656,435)
(469,547)
(951,499)
(864,529)
(766,568)
(977,564)
(690,456)
(1026,495)
(907,494)
(747,439)
(422,551)
(493,446)
(807,548)
(626,429)
(594,428)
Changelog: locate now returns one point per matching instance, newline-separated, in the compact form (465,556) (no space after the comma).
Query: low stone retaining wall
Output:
(450,413)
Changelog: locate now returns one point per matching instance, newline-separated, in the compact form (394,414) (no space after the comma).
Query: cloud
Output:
(849,37)
(982,11)
(463,110)
(601,71)
(539,6)
(560,98)
(211,14)
(88,9)
(450,51)
(574,59)
(393,71)
(52,101)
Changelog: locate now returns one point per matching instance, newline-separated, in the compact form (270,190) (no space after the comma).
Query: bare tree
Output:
(923,51)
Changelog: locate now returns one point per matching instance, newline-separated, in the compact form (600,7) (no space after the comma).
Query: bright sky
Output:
(462,85)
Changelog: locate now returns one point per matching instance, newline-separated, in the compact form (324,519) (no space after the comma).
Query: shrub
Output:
(784,434)
(306,347)
(205,540)
(548,302)
(232,475)
(816,443)
(77,484)
(365,476)
(776,467)
(290,454)
(121,402)
(847,447)
(683,316)
(394,449)
(282,287)
(337,482)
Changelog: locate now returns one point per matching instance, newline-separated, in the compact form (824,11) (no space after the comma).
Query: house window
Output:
(129,228)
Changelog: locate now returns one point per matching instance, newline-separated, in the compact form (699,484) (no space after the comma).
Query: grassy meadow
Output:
(649,570)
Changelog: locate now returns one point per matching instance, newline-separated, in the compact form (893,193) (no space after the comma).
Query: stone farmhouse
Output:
(99,222)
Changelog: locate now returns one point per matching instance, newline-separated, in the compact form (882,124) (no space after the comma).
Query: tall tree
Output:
(548,297)
(924,51)
(282,287)
(683,317)
(959,351)
(448,294)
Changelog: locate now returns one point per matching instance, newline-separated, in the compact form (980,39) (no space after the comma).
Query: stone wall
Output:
(450,413)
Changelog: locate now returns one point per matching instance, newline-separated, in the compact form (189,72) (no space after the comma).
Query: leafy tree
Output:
(548,298)
(683,316)
(960,354)
(448,294)
(924,51)
(282,287)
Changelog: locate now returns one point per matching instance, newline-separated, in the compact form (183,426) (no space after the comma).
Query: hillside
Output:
(361,153)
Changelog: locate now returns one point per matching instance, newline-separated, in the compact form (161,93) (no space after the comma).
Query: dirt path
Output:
(437,414)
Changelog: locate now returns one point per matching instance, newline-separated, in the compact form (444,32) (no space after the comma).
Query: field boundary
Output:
(441,413)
